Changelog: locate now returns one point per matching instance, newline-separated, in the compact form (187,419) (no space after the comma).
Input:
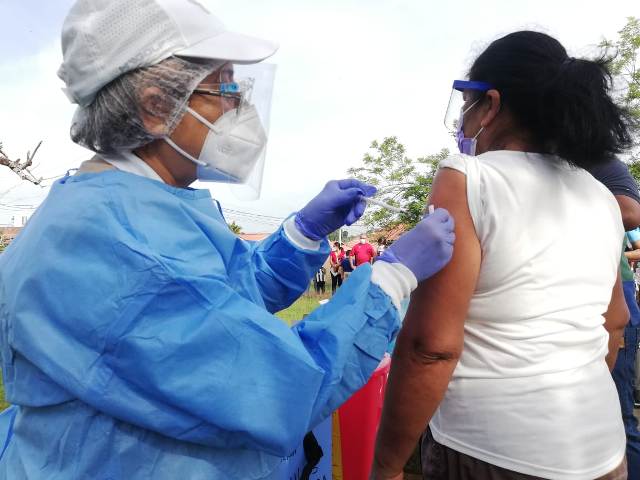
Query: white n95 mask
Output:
(231,148)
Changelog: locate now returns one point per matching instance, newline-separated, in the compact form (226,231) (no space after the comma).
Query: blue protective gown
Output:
(138,341)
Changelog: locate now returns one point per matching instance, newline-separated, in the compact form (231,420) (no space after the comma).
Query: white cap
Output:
(102,39)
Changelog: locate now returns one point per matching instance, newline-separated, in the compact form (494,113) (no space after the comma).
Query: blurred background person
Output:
(346,265)
(362,252)
(336,257)
(319,281)
(615,175)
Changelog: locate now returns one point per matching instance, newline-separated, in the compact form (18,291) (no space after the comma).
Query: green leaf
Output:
(402,182)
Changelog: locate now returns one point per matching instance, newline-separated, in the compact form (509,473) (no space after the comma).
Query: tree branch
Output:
(21,169)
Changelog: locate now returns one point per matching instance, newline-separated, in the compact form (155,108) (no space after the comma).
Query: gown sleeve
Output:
(284,270)
(188,356)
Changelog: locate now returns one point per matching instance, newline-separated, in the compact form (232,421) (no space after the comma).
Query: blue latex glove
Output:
(339,203)
(427,247)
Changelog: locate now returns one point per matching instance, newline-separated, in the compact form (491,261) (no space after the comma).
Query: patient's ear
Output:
(493,107)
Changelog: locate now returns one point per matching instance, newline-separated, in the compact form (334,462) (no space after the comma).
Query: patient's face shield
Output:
(464,94)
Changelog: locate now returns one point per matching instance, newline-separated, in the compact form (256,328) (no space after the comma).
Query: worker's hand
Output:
(426,248)
(339,203)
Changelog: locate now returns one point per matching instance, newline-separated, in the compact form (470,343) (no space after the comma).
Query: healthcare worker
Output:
(137,332)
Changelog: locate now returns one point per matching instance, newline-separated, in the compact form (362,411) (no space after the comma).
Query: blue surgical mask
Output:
(467,145)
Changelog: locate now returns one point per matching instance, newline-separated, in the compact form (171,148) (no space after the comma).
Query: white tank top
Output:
(531,392)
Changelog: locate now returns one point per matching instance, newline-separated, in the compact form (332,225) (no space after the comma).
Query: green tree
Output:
(235,228)
(401,181)
(625,67)
(634,168)
(416,195)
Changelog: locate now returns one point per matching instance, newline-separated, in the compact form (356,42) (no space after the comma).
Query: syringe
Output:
(382,204)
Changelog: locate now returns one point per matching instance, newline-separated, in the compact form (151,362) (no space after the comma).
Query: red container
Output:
(359,419)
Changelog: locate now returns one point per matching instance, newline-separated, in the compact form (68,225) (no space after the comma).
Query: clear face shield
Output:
(464,95)
(235,149)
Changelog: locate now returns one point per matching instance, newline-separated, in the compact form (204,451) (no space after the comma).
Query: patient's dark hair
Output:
(561,102)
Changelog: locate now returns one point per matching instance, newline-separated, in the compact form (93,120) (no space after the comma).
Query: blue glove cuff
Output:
(389,256)
(300,224)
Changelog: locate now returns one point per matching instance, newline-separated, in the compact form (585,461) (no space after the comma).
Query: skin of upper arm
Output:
(630,210)
(615,319)
(431,338)
(617,314)
(633,255)
(435,319)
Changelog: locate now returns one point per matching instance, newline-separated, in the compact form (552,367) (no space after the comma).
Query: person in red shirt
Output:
(362,252)
(337,255)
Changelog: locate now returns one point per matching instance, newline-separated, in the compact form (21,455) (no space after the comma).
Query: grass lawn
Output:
(3,404)
(301,307)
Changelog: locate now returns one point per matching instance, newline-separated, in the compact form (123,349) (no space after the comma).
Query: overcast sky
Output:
(348,72)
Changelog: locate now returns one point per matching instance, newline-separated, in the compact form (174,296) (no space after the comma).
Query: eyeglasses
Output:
(232,93)
(229,91)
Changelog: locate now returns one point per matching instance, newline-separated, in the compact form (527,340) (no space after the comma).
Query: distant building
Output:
(254,237)
(389,235)
(7,234)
